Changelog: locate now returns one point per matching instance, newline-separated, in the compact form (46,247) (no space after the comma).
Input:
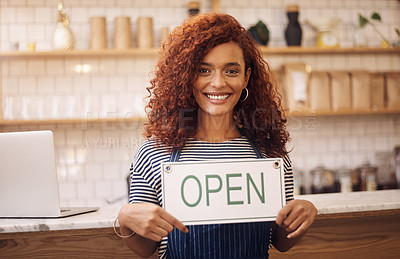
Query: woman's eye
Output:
(232,71)
(203,70)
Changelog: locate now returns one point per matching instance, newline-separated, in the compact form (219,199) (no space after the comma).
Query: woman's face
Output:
(220,80)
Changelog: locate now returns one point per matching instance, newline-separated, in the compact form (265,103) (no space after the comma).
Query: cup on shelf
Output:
(55,106)
(26,108)
(108,106)
(164,34)
(69,106)
(41,111)
(90,106)
(14,46)
(98,32)
(139,105)
(31,46)
(122,32)
(125,105)
(145,35)
(8,107)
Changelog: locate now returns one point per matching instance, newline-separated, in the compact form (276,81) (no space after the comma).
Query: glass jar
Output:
(397,164)
(345,181)
(368,177)
(359,37)
(298,182)
(323,180)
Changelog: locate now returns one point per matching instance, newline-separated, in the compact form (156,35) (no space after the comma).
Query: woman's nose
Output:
(218,80)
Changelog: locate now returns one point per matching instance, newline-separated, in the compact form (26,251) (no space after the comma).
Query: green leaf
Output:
(363,20)
(397,32)
(376,16)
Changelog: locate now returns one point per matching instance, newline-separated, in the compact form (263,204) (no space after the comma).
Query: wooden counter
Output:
(373,234)
(353,234)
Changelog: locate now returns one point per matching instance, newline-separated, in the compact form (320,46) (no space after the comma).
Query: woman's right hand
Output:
(148,220)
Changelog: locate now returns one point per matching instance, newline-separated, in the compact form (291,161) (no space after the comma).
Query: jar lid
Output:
(292,8)
(194,5)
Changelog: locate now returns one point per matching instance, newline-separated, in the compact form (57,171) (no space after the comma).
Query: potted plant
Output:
(363,21)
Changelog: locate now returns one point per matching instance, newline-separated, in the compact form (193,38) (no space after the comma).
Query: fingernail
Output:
(289,236)
(186,230)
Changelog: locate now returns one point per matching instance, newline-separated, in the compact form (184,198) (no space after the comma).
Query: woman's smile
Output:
(221,78)
(219,97)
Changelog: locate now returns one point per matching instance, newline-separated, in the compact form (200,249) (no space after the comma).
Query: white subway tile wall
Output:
(94,158)
(58,88)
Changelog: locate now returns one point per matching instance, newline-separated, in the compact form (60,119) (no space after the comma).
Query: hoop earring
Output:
(247,95)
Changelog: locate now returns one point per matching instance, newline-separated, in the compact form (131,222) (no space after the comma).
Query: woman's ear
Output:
(247,77)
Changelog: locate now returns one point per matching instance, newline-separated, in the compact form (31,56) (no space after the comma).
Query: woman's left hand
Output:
(296,217)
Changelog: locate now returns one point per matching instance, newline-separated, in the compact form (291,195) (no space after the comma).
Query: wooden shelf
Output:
(315,50)
(72,121)
(299,113)
(154,52)
(79,53)
(304,113)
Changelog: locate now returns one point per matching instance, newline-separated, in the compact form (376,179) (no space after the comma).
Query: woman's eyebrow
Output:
(232,64)
(227,64)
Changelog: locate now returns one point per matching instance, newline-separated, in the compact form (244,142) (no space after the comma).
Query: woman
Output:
(211,98)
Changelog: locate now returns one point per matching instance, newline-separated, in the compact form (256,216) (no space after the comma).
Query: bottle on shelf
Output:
(63,38)
(193,8)
(293,32)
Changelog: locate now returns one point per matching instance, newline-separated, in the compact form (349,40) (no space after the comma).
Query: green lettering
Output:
(208,190)
(229,188)
(260,195)
(183,194)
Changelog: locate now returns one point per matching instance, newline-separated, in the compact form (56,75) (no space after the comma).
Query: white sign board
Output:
(223,191)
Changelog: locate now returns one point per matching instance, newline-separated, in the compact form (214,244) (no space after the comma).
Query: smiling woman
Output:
(211,98)
(260,117)
(220,81)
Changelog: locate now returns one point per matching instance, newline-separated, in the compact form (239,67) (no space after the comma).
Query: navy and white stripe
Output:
(239,240)
(146,171)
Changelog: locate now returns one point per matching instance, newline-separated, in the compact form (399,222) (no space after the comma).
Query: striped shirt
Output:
(146,171)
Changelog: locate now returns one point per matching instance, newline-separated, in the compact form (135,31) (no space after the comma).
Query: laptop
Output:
(28,177)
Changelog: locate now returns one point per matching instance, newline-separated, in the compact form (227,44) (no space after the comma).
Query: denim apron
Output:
(238,240)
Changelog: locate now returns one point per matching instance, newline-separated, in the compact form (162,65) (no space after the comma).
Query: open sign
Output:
(224,191)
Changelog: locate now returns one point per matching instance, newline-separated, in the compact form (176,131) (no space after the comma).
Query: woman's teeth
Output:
(217,97)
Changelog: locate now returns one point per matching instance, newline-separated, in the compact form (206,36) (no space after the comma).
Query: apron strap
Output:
(175,154)
(256,150)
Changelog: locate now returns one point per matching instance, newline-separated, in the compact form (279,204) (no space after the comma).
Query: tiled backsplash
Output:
(57,88)
(338,142)
(34,20)
(94,158)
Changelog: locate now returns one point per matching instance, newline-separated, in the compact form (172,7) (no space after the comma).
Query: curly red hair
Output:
(260,117)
